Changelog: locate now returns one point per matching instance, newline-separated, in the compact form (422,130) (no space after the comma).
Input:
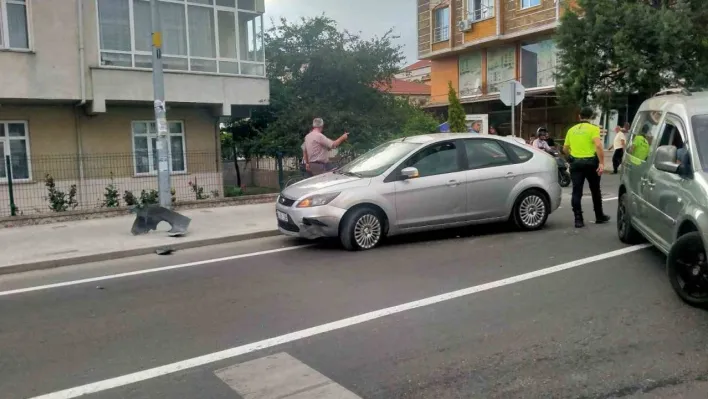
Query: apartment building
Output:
(76,93)
(418,71)
(479,45)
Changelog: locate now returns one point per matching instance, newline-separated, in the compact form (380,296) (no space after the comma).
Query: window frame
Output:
(5,29)
(134,53)
(6,140)
(487,88)
(521,64)
(481,141)
(471,12)
(459,158)
(152,171)
(441,33)
(522,7)
(639,120)
(675,121)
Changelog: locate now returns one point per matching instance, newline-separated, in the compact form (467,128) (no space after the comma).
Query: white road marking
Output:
(610,199)
(281,376)
(321,329)
(148,271)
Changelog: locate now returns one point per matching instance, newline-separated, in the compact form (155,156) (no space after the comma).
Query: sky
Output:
(369,17)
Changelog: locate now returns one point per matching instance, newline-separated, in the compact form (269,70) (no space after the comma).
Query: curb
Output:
(51,264)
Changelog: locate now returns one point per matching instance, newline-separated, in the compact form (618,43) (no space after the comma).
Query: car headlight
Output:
(317,200)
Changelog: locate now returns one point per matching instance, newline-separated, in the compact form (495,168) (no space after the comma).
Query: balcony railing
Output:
(441,34)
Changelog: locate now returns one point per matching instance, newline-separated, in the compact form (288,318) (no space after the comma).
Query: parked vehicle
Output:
(423,183)
(663,194)
(563,170)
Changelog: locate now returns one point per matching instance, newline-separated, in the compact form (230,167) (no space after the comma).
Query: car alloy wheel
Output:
(687,268)
(532,211)
(367,231)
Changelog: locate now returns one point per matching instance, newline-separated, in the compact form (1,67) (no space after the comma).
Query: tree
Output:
(317,70)
(455,112)
(620,47)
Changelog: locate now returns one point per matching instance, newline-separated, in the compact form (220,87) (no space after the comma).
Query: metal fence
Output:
(59,183)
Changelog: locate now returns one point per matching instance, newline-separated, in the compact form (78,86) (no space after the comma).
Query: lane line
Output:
(148,271)
(281,376)
(167,369)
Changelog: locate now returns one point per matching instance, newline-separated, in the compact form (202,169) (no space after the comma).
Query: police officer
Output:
(587,162)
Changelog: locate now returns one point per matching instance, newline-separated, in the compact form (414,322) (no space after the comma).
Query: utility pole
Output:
(158,84)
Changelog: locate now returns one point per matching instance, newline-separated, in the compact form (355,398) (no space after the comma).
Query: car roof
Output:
(433,137)
(684,104)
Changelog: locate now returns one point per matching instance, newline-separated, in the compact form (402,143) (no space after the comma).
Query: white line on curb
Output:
(321,329)
(148,271)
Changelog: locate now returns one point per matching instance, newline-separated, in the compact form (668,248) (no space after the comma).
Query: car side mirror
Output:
(665,159)
(409,173)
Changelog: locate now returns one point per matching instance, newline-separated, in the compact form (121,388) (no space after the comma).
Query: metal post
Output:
(280,169)
(158,83)
(8,172)
(513,108)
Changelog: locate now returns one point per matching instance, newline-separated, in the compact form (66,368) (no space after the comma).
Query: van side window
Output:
(644,130)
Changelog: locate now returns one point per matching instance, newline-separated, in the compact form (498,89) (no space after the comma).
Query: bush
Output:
(111,198)
(151,197)
(60,201)
(232,191)
(197,190)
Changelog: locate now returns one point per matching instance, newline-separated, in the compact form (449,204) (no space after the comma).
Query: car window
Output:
(523,154)
(484,154)
(644,130)
(437,159)
(672,134)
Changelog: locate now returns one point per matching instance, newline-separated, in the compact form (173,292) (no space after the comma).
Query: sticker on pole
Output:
(512,93)
(159,106)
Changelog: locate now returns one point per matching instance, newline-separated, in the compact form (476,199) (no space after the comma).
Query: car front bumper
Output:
(310,223)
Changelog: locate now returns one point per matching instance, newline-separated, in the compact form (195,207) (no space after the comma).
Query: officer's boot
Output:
(579,219)
(600,216)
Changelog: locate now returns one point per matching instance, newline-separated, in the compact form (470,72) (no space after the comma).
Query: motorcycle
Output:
(563,170)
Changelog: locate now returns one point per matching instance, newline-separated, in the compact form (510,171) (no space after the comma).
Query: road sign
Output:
(512,93)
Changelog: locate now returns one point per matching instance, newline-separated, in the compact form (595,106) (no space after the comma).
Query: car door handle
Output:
(453,183)
(510,175)
(651,184)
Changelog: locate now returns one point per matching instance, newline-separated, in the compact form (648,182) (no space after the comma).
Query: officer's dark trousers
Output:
(582,169)
(617,158)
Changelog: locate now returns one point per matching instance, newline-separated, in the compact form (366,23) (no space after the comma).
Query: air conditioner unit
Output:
(465,25)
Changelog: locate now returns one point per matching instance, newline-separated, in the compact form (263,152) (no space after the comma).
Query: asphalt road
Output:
(603,327)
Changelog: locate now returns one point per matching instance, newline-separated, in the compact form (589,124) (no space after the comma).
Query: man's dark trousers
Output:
(617,158)
(582,169)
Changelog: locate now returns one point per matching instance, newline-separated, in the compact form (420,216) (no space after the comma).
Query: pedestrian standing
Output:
(587,162)
(619,144)
(317,148)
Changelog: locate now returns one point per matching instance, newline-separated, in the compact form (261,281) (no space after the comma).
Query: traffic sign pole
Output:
(513,108)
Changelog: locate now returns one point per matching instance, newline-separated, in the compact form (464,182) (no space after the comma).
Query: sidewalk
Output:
(67,243)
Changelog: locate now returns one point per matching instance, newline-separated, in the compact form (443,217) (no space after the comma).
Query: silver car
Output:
(423,183)
(663,194)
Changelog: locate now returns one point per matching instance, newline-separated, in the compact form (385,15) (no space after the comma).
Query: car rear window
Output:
(523,154)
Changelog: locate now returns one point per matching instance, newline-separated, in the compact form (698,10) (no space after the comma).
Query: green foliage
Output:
(232,191)
(317,70)
(455,112)
(111,198)
(151,197)
(198,190)
(619,47)
(59,201)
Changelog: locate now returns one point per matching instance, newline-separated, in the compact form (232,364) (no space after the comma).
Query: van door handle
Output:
(651,184)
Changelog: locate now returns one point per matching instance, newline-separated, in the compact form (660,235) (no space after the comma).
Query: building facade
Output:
(479,45)
(76,94)
(419,72)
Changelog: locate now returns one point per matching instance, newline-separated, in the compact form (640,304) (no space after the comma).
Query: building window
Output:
(145,147)
(480,9)
(470,79)
(14,141)
(530,3)
(14,32)
(216,36)
(538,64)
(442,25)
(501,67)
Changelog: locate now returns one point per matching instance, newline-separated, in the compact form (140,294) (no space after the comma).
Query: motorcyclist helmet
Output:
(541,131)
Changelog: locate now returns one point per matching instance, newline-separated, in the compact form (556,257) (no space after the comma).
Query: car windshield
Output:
(378,160)
(699,123)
